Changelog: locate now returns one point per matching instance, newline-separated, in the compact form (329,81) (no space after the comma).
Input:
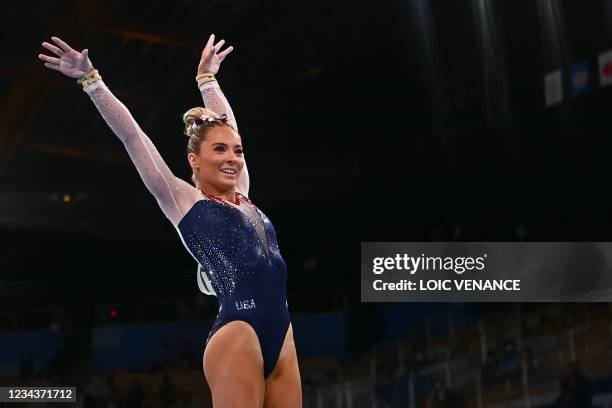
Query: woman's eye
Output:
(219,149)
(239,151)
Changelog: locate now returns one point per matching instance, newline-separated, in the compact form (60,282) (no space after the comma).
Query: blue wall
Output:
(403,319)
(139,346)
(317,334)
(40,344)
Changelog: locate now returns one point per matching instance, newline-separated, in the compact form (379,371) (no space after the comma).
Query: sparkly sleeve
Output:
(174,196)
(215,100)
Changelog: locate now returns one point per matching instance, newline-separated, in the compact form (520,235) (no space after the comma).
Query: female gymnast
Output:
(249,358)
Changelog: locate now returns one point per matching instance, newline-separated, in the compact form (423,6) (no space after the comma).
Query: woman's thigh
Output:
(233,366)
(283,385)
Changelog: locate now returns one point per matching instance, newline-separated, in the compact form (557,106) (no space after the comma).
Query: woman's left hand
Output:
(211,57)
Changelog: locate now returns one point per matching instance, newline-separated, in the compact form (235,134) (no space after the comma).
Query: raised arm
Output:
(174,196)
(213,97)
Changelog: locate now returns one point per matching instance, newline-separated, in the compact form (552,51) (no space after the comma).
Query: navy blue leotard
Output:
(234,243)
(238,250)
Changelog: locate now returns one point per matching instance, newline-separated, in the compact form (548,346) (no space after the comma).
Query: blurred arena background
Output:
(461,136)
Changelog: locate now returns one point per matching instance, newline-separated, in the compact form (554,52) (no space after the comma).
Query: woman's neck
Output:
(212,191)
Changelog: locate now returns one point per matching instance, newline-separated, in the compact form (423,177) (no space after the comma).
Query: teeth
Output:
(229,171)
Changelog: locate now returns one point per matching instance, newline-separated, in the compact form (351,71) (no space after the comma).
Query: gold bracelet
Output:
(204,78)
(204,81)
(87,75)
(89,78)
(205,74)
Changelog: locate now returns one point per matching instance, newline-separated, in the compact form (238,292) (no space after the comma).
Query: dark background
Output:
(446,100)
(459,124)
(286,86)
(405,120)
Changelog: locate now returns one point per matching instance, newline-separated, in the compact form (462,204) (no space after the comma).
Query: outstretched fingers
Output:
(55,67)
(49,59)
(208,45)
(65,47)
(219,44)
(222,55)
(211,49)
(226,51)
(53,49)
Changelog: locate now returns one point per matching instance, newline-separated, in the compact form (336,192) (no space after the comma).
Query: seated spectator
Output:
(109,395)
(168,393)
(26,369)
(187,359)
(164,362)
(575,390)
(189,402)
(511,363)
(490,368)
(90,401)
(444,398)
(135,396)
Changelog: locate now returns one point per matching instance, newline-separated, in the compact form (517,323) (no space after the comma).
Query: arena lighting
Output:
(608,11)
(486,20)
(112,312)
(551,16)
(422,20)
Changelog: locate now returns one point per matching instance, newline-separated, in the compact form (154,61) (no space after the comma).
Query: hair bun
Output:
(194,116)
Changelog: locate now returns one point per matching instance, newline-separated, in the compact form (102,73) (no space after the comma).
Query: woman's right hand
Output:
(212,56)
(71,63)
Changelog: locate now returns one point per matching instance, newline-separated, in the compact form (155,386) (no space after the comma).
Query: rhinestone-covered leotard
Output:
(234,244)
(237,248)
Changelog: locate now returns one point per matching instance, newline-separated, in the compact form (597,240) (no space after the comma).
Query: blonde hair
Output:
(197,122)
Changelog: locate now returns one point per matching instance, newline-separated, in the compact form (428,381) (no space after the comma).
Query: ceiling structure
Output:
(56,152)
(72,205)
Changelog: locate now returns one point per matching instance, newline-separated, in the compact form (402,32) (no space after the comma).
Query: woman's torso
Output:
(237,247)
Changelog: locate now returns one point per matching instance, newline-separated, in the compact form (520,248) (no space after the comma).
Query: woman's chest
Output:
(228,226)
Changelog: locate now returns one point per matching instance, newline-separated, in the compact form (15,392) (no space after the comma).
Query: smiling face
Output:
(219,162)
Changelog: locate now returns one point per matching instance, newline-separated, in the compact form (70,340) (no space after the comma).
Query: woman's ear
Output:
(192,159)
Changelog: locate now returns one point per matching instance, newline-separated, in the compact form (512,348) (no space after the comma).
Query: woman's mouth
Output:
(229,171)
